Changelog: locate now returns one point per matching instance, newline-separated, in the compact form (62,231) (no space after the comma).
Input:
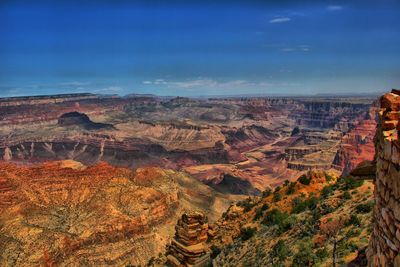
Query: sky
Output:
(198,48)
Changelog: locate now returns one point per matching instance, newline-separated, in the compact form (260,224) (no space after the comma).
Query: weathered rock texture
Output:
(188,247)
(67,214)
(384,246)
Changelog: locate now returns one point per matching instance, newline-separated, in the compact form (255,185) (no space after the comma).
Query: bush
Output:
(349,183)
(286,183)
(304,180)
(277,197)
(280,251)
(259,213)
(265,206)
(273,217)
(346,195)
(326,209)
(246,204)
(266,192)
(277,189)
(215,251)
(328,177)
(326,191)
(353,220)
(291,189)
(322,254)
(247,232)
(305,256)
(281,219)
(365,207)
(298,205)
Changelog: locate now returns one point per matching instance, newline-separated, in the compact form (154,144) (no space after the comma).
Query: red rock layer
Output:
(357,145)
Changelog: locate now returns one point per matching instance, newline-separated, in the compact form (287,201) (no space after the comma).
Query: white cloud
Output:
(301,48)
(280,20)
(334,8)
(75,84)
(211,84)
(109,90)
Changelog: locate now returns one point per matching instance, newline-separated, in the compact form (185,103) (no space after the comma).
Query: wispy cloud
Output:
(109,90)
(280,20)
(334,8)
(202,83)
(298,48)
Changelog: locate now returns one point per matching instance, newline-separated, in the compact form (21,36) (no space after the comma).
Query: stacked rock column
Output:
(188,247)
(384,245)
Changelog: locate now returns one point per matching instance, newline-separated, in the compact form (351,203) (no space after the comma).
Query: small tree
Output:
(332,230)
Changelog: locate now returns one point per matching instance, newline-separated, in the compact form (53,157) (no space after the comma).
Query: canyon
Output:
(256,141)
(104,180)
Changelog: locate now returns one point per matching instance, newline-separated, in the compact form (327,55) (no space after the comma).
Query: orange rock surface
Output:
(66,214)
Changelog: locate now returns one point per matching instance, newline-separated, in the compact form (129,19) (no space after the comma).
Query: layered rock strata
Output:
(188,247)
(384,245)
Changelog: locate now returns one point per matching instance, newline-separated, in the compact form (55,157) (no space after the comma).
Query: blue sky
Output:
(192,48)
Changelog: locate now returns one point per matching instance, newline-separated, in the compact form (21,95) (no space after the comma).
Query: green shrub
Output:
(322,254)
(346,195)
(291,189)
(273,216)
(280,251)
(326,191)
(305,256)
(326,209)
(304,180)
(281,219)
(215,251)
(246,204)
(277,197)
(300,205)
(328,177)
(353,220)
(266,193)
(265,206)
(349,183)
(277,189)
(286,182)
(247,232)
(365,207)
(259,213)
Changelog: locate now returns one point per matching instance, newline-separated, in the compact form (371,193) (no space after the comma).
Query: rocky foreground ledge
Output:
(384,246)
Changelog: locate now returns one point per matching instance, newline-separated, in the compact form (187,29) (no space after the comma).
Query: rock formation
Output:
(384,246)
(249,134)
(81,120)
(188,246)
(72,215)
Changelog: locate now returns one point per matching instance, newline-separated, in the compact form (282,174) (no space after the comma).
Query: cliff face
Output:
(357,145)
(67,214)
(384,246)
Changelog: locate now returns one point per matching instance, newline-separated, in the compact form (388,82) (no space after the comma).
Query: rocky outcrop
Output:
(188,247)
(81,120)
(384,245)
